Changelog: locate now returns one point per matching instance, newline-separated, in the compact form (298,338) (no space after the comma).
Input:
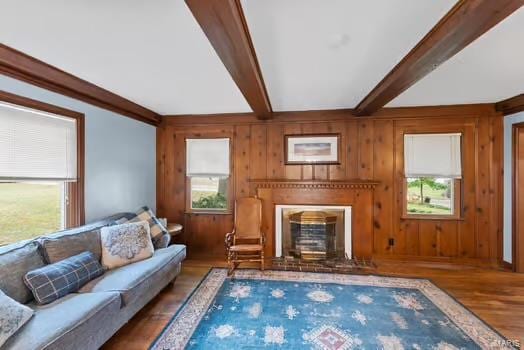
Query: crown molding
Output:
(511,105)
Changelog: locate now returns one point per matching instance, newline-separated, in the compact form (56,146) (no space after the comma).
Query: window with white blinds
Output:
(35,145)
(207,170)
(207,157)
(432,155)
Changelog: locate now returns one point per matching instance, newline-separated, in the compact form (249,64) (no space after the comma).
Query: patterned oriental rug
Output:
(301,310)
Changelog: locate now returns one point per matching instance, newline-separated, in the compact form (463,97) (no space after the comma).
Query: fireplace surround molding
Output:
(312,184)
(357,194)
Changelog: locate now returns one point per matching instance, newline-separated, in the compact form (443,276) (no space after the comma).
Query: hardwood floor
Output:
(497,297)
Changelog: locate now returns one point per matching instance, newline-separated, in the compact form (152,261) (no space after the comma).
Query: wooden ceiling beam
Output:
(464,23)
(23,67)
(225,26)
(511,105)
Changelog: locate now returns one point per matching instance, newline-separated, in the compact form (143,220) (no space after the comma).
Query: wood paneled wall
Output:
(372,149)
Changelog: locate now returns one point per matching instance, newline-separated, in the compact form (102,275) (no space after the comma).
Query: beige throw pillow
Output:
(13,316)
(125,244)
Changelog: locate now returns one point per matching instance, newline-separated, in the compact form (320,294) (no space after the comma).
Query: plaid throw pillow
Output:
(146,214)
(54,281)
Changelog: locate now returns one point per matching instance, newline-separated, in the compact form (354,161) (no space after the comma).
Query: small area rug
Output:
(296,310)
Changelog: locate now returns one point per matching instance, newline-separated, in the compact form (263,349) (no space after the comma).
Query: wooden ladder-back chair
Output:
(246,242)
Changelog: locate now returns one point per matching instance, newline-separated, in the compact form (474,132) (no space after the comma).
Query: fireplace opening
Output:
(314,233)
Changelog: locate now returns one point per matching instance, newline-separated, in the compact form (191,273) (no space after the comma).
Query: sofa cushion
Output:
(13,315)
(60,248)
(65,318)
(96,225)
(51,282)
(125,244)
(127,279)
(15,261)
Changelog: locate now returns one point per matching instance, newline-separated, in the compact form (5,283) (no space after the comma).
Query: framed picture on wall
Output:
(312,149)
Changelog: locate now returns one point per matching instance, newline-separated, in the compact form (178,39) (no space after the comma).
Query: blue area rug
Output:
(293,310)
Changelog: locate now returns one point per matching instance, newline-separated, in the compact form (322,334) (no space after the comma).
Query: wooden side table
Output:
(174,229)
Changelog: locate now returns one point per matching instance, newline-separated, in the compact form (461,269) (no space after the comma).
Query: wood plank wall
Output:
(372,149)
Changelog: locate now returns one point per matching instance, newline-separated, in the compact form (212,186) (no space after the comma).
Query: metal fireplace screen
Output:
(313,234)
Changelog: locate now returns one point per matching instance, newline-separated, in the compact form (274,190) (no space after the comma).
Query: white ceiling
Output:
(323,54)
(490,69)
(151,52)
(314,54)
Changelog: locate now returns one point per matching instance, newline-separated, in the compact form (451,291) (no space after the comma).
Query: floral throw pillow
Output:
(13,315)
(125,244)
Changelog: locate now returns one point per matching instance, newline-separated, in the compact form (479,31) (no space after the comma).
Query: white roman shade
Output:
(36,146)
(207,157)
(432,155)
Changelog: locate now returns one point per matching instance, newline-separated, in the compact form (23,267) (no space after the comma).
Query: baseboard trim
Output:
(506,265)
(476,262)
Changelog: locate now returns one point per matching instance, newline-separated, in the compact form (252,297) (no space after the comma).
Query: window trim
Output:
(230,189)
(74,191)
(458,189)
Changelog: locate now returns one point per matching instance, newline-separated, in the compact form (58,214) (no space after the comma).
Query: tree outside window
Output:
(430,195)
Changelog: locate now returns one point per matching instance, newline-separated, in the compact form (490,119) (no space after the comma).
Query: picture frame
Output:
(307,149)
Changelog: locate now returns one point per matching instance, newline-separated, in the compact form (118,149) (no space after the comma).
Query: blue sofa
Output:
(88,318)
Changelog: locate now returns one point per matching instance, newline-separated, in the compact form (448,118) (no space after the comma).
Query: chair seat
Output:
(246,247)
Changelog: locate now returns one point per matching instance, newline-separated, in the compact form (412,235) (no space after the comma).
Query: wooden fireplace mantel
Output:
(355,193)
(333,184)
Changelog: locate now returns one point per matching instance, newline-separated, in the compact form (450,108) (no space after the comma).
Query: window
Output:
(209,193)
(432,195)
(30,209)
(41,166)
(207,170)
(433,169)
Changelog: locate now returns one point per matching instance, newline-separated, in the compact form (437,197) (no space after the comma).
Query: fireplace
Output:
(313,233)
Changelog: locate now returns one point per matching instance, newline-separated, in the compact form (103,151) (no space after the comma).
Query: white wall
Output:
(120,154)
(508,173)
